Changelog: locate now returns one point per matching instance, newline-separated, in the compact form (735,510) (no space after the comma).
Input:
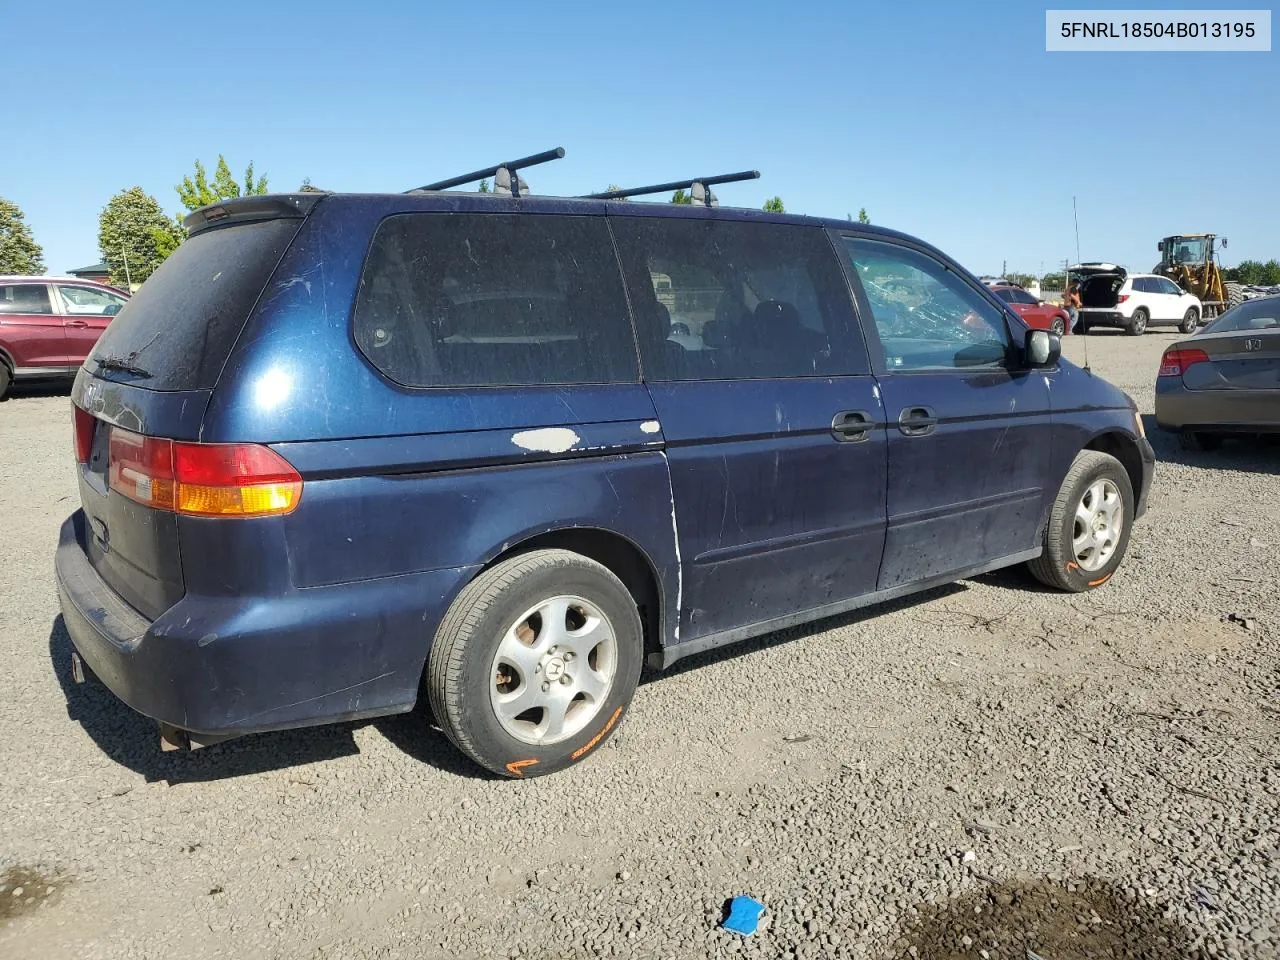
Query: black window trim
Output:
(862,307)
(417,389)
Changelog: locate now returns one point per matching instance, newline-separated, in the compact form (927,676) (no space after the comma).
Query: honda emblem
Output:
(1253,344)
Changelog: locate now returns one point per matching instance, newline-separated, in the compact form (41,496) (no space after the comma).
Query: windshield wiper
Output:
(124,365)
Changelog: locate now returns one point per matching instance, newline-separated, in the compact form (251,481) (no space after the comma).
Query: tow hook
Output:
(171,738)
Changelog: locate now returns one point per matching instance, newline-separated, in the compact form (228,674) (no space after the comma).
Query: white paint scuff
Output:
(675,538)
(546,440)
(650,426)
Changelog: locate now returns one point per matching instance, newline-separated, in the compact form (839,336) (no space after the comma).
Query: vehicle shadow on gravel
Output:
(1249,454)
(1084,919)
(20,391)
(719,654)
(132,740)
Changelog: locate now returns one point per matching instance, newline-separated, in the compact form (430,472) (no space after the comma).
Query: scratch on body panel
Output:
(675,539)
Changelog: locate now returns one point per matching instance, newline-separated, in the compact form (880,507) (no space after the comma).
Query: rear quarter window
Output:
(453,300)
(179,328)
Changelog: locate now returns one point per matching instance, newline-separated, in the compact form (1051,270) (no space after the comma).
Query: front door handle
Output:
(850,426)
(917,421)
(77,323)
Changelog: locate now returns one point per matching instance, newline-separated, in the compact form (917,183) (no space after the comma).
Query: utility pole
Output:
(1076,217)
(1004,269)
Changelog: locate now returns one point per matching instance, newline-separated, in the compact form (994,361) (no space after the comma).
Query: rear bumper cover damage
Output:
(225,666)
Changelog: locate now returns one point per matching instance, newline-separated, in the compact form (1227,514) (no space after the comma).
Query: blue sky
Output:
(946,120)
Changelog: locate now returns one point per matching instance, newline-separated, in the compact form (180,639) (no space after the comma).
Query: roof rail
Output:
(506,179)
(699,185)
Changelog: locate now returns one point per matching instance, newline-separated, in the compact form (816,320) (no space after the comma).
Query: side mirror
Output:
(1042,349)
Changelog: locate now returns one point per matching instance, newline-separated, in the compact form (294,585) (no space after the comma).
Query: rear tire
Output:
(1190,320)
(1200,441)
(1088,531)
(498,649)
(6,378)
(1235,293)
(1137,325)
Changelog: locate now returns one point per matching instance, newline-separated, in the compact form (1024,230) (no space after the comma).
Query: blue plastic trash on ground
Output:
(744,915)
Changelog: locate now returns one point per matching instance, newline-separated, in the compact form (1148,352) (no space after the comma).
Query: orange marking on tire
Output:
(1071,565)
(1099,582)
(516,767)
(598,737)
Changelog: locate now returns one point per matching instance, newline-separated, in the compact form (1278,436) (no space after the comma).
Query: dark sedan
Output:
(1225,379)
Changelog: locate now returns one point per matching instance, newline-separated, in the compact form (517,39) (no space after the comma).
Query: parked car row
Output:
(1111,296)
(48,325)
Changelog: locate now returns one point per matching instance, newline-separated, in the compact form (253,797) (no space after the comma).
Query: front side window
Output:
(732,300)
(86,301)
(451,300)
(928,318)
(1167,286)
(25,298)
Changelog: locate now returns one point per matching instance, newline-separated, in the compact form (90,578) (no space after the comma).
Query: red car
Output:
(1038,314)
(48,325)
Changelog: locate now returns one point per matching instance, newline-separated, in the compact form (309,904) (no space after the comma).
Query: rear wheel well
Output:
(621,557)
(1124,449)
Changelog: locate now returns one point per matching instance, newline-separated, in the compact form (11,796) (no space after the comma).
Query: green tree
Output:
(197,190)
(484,186)
(19,252)
(307,186)
(862,216)
(1021,279)
(1254,272)
(1054,281)
(681,197)
(131,233)
(1271,272)
(774,205)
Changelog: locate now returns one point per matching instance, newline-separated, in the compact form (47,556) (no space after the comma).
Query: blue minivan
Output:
(341,451)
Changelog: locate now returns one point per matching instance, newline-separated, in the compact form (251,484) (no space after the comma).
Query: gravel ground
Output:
(989,767)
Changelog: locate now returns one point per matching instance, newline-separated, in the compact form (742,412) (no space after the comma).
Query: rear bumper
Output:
(225,666)
(1225,411)
(1107,318)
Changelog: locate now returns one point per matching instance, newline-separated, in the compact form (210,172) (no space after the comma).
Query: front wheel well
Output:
(620,556)
(1125,449)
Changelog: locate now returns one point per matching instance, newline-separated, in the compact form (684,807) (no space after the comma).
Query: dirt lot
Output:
(989,767)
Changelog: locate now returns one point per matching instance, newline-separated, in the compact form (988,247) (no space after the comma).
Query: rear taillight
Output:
(1175,363)
(1122,298)
(202,479)
(84,422)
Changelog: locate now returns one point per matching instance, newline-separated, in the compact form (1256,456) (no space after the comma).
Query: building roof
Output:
(93,268)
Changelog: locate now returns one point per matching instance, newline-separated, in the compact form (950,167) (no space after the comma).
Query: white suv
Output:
(1110,296)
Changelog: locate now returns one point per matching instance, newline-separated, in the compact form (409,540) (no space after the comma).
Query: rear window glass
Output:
(450,300)
(1251,315)
(178,329)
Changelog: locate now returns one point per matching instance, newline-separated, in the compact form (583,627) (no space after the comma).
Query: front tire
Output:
(6,378)
(1190,320)
(1088,531)
(1058,326)
(535,663)
(1138,323)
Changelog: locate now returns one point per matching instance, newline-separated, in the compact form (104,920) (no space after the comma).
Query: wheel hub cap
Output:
(1099,523)
(553,670)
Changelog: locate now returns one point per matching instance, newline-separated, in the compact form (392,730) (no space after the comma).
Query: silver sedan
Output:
(1225,379)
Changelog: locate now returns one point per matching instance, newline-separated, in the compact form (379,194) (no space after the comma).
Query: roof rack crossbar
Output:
(510,166)
(676,185)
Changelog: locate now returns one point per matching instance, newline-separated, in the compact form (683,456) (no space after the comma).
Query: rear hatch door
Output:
(151,375)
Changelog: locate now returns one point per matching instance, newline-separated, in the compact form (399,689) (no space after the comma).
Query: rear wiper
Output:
(124,365)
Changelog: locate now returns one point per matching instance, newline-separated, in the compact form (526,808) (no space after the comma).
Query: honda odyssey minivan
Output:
(343,452)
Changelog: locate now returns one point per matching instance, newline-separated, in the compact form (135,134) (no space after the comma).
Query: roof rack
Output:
(700,187)
(506,179)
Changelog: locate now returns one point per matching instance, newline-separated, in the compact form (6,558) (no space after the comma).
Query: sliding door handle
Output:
(917,421)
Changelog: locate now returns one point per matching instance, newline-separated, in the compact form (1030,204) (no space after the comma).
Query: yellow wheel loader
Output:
(1190,261)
